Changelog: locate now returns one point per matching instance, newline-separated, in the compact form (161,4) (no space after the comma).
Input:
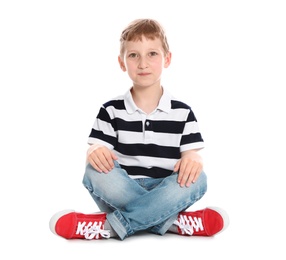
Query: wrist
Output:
(92,148)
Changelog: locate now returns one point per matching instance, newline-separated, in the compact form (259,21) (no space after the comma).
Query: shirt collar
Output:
(164,103)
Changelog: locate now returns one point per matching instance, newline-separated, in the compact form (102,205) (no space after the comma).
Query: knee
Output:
(92,178)
(196,190)
(203,180)
(89,174)
(96,181)
(201,184)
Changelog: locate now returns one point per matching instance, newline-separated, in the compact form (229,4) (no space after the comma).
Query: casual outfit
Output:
(141,192)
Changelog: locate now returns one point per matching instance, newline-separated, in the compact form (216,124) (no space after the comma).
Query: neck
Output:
(147,99)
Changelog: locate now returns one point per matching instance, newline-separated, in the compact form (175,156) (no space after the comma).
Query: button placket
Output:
(148,130)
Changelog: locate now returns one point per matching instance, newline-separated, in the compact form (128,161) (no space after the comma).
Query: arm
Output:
(189,166)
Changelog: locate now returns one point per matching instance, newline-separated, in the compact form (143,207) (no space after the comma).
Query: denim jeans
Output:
(140,204)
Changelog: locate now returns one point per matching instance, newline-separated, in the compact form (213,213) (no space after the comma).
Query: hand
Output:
(101,159)
(189,166)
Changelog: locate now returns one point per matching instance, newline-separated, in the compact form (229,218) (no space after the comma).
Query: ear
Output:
(168,58)
(121,63)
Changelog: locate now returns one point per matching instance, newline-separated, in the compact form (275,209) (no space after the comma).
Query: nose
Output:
(142,63)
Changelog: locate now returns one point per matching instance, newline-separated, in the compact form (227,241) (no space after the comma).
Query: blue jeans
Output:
(140,204)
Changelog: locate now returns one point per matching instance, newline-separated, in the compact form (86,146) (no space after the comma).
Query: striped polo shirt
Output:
(147,145)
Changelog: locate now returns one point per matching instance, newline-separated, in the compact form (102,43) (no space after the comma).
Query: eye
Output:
(132,55)
(153,53)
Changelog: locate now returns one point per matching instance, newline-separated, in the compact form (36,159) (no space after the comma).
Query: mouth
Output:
(144,74)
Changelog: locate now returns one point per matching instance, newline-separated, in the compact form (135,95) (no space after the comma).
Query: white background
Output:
(58,64)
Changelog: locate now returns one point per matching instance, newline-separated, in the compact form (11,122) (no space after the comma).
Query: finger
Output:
(177,166)
(114,157)
(197,174)
(184,178)
(186,174)
(91,160)
(190,179)
(181,173)
(100,162)
(194,174)
(94,165)
(110,157)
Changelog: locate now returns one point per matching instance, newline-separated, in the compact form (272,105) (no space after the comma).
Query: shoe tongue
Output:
(91,217)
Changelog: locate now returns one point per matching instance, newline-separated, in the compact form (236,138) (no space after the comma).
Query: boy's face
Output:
(144,61)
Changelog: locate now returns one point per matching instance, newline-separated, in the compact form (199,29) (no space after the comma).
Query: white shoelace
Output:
(189,225)
(92,230)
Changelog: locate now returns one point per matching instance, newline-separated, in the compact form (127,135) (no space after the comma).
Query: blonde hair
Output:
(148,28)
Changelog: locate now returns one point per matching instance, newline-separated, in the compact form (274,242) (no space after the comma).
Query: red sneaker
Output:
(70,224)
(206,222)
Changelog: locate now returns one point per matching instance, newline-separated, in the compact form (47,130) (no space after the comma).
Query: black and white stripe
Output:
(147,145)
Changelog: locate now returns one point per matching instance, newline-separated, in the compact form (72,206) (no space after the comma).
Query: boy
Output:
(143,170)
